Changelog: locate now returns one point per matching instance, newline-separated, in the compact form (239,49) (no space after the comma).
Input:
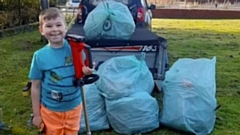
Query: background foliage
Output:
(19,12)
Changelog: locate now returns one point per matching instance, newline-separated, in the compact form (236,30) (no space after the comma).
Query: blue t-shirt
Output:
(54,67)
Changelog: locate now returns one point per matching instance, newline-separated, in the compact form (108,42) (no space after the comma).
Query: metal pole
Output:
(88,131)
(19,11)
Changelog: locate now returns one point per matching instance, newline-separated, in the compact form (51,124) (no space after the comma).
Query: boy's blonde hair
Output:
(50,13)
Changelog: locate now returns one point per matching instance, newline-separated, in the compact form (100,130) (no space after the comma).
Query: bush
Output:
(18,13)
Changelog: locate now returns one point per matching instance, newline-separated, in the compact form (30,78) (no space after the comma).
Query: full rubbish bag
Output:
(124,75)
(109,20)
(137,113)
(189,101)
(96,110)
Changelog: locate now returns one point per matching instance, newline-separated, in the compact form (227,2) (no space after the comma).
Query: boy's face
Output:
(54,30)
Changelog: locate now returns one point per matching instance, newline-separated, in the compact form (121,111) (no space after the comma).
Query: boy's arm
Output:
(35,96)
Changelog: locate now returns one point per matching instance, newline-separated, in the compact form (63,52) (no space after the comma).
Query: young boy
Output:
(56,102)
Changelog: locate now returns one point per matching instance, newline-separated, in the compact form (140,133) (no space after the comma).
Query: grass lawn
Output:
(186,38)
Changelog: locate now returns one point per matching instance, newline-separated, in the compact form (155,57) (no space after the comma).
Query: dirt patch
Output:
(25,45)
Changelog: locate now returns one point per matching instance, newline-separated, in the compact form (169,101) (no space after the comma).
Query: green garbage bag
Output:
(109,20)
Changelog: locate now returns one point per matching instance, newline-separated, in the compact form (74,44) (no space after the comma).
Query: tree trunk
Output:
(44,5)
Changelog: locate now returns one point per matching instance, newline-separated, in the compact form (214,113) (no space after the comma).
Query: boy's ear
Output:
(40,30)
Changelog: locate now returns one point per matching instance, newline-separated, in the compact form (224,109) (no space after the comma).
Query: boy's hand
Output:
(37,120)
(87,70)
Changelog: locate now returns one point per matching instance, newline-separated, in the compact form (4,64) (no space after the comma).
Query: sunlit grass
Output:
(186,38)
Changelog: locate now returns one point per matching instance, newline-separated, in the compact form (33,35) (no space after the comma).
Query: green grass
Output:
(186,38)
